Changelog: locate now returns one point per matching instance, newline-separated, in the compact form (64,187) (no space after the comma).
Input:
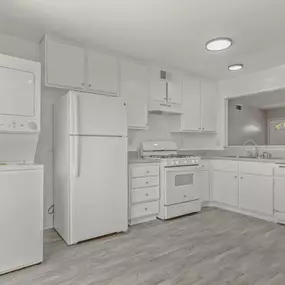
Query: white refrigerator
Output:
(90,166)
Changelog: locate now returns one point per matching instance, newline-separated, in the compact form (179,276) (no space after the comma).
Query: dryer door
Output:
(17,92)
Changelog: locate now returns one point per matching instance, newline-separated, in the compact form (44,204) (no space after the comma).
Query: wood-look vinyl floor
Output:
(214,247)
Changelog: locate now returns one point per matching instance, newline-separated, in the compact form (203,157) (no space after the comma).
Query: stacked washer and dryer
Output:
(21,180)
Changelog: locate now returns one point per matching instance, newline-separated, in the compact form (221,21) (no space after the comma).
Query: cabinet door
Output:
(256,193)
(174,91)
(191,118)
(279,194)
(209,106)
(225,187)
(134,89)
(64,65)
(102,73)
(157,87)
(203,185)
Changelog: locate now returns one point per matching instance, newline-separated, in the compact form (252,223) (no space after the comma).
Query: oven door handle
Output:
(191,169)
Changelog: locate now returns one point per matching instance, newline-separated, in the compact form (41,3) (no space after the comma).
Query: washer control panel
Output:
(16,124)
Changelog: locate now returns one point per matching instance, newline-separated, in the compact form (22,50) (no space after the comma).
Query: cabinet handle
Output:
(90,85)
(146,194)
(147,171)
(235,176)
(146,182)
(185,196)
(145,209)
(241,178)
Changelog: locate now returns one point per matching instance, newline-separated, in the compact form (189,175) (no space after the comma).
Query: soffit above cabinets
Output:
(172,33)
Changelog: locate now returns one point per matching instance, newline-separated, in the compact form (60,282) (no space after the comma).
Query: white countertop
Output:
(263,160)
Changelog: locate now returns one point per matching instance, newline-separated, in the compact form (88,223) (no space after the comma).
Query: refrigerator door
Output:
(99,115)
(99,190)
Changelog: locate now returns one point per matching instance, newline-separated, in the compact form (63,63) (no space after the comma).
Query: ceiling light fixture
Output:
(219,44)
(235,67)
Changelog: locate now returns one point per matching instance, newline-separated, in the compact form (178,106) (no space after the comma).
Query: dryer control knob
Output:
(33,126)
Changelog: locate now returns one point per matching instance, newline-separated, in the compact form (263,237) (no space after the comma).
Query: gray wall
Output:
(251,123)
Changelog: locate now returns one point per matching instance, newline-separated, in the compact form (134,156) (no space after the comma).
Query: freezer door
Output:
(92,114)
(98,186)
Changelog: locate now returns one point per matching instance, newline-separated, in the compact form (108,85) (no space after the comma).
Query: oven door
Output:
(180,185)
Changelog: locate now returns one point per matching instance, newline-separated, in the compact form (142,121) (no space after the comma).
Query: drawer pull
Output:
(146,182)
(146,194)
(185,196)
(147,171)
(145,209)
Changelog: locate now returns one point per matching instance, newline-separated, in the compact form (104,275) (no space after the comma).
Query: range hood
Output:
(164,108)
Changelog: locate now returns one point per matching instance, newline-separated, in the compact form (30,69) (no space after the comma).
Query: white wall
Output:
(262,81)
(158,130)
(255,83)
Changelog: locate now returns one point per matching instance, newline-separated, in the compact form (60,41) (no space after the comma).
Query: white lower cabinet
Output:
(256,193)
(279,193)
(225,187)
(202,182)
(247,187)
(143,192)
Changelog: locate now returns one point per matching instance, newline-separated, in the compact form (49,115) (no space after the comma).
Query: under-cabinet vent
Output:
(239,108)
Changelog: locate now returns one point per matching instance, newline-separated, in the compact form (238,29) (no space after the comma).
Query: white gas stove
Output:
(178,194)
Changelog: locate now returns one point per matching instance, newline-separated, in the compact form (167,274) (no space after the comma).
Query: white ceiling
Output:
(170,32)
(265,100)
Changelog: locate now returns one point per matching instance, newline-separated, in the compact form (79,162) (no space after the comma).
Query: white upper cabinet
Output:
(209,105)
(69,66)
(64,64)
(134,89)
(174,87)
(157,86)
(102,73)
(191,118)
(199,107)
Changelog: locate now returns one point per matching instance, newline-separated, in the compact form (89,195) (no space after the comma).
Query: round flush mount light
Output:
(235,67)
(219,44)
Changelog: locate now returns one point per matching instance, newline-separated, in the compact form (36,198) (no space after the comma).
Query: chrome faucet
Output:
(254,144)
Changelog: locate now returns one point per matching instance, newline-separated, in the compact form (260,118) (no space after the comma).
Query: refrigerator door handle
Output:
(76,113)
(76,157)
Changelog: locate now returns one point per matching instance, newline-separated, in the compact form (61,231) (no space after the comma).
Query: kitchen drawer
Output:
(148,170)
(224,165)
(145,182)
(145,194)
(259,168)
(279,170)
(146,209)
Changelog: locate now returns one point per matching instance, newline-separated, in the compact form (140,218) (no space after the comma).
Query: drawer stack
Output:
(143,192)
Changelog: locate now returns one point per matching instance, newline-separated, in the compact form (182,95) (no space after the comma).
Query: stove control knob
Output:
(177,162)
